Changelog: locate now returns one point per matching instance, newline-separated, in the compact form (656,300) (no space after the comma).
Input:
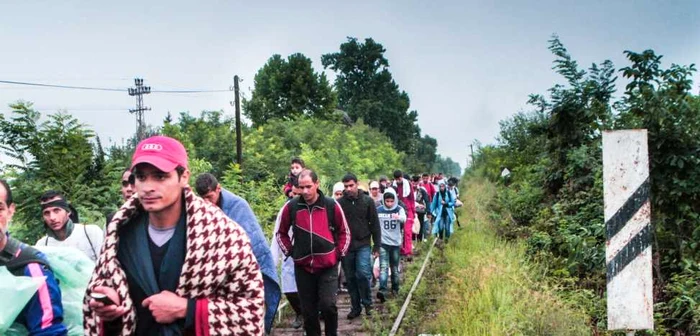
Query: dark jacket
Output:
(361,215)
(43,314)
(135,257)
(315,247)
(424,199)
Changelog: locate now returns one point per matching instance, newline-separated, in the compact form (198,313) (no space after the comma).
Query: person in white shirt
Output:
(61,231)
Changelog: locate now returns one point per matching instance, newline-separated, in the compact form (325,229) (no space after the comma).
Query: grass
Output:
(482,285)
(381,323)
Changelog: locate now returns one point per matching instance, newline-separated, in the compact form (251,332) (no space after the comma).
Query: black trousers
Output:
(423,227)
(317,292)
(294,302)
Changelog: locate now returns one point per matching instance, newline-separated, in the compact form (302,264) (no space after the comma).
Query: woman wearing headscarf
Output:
(443,211)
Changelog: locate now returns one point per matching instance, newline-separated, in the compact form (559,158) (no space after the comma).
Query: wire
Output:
(188,91)
(62,86)
(103,88)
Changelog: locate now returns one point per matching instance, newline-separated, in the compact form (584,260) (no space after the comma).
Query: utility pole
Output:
(471,148)
(139,91)
(237,104)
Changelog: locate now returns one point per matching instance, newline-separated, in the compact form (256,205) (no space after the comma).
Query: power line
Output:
(62,86)
(73,87)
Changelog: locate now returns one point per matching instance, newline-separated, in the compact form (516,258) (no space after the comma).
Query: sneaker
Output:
(353,314)
(298,322)
(368,310)
(380,296)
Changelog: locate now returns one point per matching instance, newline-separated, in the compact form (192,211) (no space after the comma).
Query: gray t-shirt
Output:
(160,236)
(391,221)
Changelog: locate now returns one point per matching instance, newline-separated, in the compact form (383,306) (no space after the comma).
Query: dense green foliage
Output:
(367,91)
(286,89)
(554,195)
(57,154)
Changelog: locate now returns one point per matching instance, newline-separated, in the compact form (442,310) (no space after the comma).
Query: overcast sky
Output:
(465,65)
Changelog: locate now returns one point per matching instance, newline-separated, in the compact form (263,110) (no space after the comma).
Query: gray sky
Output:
(465,65)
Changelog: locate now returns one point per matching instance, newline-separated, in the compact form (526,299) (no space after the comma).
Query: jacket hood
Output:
(391,191)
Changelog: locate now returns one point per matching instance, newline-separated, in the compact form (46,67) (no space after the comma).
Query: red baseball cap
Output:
(163,152)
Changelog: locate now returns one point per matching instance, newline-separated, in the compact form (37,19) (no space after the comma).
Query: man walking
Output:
(62,231)
(361,214)
(321,238)
(43,314)
(240,212)
(172,263)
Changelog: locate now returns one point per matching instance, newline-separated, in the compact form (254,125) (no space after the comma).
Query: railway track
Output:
(362,325)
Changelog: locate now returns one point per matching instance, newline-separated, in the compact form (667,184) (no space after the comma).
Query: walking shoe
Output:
(380,296)
(353,314)
(298,322)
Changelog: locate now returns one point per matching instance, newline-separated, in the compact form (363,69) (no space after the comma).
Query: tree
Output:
(209,137)
(424,152)
(57,154)
(367,91)
(446,166)
(287,89)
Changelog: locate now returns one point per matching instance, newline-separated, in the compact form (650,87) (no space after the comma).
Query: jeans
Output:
(317,292)
(389,255)
(358,273)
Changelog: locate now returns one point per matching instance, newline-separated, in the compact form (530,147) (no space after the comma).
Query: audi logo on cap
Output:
(152,147)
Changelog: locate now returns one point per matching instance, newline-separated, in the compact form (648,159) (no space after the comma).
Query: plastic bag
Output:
(375,268)
(73,270)
(18,291)
(416,226)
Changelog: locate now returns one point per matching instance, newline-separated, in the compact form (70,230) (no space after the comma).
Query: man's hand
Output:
(166,307)
(375,254)
(111,312)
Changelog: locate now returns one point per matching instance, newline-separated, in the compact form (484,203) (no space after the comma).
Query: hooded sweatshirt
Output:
(391,227)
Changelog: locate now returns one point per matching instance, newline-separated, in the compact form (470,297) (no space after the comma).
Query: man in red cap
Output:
(172,264)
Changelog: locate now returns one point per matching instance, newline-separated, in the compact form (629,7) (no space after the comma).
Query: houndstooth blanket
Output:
(220,272)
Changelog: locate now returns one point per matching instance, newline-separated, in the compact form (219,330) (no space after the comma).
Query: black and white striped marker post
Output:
(628,227)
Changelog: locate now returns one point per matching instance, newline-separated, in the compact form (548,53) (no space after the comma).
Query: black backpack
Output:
(16,265)
(330,213)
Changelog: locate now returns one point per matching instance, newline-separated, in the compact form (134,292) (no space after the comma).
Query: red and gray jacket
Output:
(321,233)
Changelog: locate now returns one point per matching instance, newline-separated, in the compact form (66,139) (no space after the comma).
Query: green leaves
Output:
(368,92)
(554,152)
(286,89)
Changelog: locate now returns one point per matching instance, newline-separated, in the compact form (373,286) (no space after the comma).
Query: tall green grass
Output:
(486,286)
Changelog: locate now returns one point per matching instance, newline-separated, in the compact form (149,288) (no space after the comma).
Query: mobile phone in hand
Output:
(99,297)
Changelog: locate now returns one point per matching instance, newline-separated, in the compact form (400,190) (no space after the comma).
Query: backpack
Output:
(330,213)
(27,255)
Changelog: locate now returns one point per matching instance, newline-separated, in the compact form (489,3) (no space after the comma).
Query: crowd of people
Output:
(177,261)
